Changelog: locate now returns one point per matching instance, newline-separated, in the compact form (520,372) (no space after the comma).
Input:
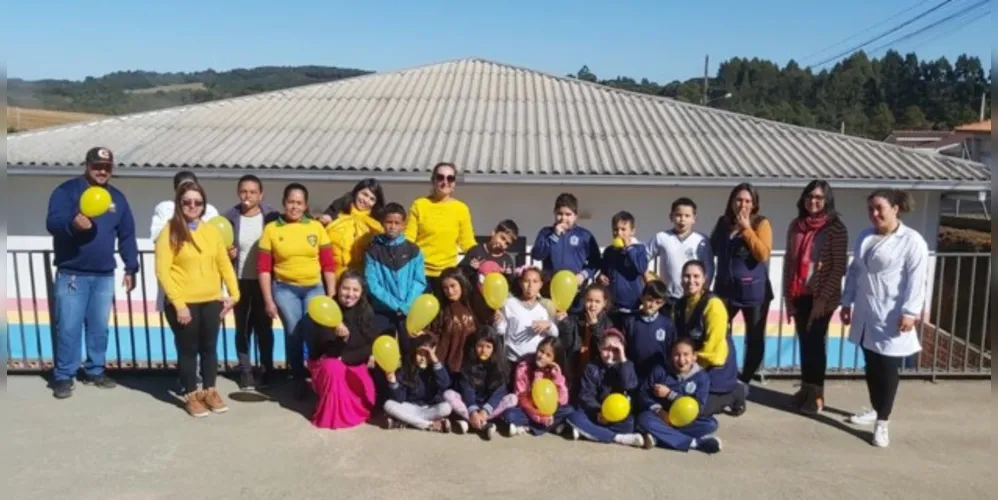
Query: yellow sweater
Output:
(350,234)
(715,321)
(439,228)
(192,276)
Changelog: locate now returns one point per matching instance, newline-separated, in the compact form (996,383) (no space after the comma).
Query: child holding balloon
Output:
(482,384)
(604,397)
(565,246)
(673,397)
(524,321)
(338,358)
(417,390)
(541,392)
(457,320)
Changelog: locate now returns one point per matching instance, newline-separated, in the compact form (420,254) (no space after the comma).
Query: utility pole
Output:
(706,80)
(984,101)
(842,128)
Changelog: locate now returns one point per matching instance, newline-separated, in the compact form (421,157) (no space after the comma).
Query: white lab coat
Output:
(886,279)
(161,216)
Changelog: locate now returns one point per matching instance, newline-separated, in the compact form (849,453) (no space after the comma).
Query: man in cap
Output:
(85,263)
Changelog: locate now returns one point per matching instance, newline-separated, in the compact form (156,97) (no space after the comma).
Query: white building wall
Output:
(529,206)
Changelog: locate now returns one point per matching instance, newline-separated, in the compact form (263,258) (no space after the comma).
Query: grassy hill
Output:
(126,92)
(21,119)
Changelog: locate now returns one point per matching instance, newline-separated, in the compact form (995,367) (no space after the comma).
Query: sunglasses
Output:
(449,179)
(192,203)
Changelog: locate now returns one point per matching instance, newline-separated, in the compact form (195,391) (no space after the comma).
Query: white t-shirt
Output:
(250,230)
(516,327)
(673,252)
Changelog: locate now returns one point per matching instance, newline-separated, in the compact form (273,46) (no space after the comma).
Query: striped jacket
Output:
(830,259)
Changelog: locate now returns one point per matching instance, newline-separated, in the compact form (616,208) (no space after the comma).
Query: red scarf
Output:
(805,228)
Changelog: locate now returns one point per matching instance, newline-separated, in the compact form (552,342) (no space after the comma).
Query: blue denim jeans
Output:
(82,303)
(292,306)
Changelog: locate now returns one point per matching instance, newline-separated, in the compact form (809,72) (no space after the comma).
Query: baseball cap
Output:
(613,332)
(100,154)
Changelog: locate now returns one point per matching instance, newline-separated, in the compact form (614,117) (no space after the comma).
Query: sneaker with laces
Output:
(194,405)
(649,441)
(514,430)
(246,381)
(709,444)
(489,432)
(460,427)
(213,401)
(62,389)
(881,438)
(865,417)
(102,381)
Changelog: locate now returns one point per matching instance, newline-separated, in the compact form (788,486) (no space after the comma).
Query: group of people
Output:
(653,338)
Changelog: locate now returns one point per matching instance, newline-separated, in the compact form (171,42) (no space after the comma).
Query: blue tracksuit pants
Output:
(667,436)
(593,431)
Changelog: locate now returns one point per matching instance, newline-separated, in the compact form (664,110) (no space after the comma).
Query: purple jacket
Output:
(270,214)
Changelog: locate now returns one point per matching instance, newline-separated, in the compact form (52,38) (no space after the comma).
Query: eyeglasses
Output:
(816,197)
(192,203)
(449,179)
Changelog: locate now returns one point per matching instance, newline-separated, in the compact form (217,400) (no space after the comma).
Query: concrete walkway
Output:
(132,442)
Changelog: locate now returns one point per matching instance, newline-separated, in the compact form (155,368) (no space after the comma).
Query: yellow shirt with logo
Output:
(294,247)
(438,228)
(194,275)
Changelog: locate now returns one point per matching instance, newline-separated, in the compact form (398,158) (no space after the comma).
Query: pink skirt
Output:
(346,394)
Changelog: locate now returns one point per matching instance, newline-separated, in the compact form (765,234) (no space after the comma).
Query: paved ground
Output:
(132,442)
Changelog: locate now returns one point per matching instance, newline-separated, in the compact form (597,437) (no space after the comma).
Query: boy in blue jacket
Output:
(565,246)
(395,274)
(624,269)
(85,261)
(683,377)
(650,333)
(610,373)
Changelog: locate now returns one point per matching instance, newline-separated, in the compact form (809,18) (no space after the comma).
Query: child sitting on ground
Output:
(417,399)
(482,386)
(545,363)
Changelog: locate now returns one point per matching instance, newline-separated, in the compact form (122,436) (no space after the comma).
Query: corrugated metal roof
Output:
(495,121)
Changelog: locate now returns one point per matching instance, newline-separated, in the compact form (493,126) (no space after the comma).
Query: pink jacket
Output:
(526,373)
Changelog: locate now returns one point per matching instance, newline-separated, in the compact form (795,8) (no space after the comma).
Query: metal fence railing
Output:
(954,332)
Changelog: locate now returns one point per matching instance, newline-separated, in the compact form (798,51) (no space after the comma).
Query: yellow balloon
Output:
(563,289)
(619,243)
(225,227)
(421,313)
(495,290)
(545,396)
(95,202)
(683,411)
(325,311)
(386,353)
(616,407)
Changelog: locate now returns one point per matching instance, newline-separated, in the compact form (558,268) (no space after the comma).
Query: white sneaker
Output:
(572,433)
(633,440)
(865,417)
(881,438)
(490,431)
(460,427)
(515,431)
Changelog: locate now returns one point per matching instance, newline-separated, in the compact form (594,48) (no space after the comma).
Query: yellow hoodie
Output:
(350,234)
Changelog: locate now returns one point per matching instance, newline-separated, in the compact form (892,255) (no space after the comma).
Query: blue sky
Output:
(661,40)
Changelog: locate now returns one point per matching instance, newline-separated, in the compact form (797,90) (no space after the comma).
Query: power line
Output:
(882,35)
(865,30)
(961,13)
(950,32)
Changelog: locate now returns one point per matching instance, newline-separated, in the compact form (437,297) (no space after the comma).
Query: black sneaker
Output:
(246,381)
(63,389)
(709,444)
(302,389)
(102,381)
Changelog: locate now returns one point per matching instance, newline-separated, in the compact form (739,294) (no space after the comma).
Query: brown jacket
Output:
(830,258)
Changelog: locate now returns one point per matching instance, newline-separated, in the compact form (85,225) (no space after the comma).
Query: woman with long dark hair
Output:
(742,241)
(440,224)
(295,261)
(352,222)
(883,298)
(816,259)
(191,263)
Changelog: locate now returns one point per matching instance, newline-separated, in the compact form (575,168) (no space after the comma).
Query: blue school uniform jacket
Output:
(428,389)
(696,383)
(626,269)
(395,273)
(575,251)
(649,339)
(483,399)
(599,381)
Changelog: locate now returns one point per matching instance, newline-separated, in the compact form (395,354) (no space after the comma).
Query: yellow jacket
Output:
(350,235)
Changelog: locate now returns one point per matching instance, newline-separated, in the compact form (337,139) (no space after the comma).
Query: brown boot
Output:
(213,400)
(194,405)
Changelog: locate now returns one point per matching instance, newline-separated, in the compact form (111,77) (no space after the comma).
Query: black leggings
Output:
(755,337)
(251,317)
(199,337)
(882,378)
(811,339)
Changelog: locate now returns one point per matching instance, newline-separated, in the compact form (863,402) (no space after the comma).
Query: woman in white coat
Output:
(883,297)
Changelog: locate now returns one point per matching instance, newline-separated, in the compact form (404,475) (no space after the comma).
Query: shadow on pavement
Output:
(164,388)
(781,401)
